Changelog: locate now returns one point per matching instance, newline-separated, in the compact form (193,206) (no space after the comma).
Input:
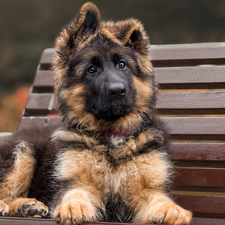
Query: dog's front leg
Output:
(155,207)
(78,205)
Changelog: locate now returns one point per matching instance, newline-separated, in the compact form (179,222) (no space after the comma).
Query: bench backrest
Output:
(191,102)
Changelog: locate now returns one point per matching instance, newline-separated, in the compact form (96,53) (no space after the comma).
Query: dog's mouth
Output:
(112,112)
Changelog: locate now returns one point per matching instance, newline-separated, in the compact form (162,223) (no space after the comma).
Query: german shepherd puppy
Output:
(108,162)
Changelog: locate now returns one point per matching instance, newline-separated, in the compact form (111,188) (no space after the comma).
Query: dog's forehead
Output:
(103,48)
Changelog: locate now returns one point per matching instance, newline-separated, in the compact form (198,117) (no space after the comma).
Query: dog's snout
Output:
(116,90)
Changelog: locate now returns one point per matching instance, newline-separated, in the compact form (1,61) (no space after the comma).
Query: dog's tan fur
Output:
(17,181)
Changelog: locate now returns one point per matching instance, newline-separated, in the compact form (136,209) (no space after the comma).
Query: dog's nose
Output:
(116,90)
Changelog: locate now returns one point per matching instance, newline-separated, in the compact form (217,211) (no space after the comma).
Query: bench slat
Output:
(206,128)
(44,80)
(200,177)
(190,54)
(178,150)
(28,221)
(202,204)
(41,103)
(30,122)
(196,77)
(200,102)
(196,127)
(187,51)
(197,151)
(168,102)
(174,77)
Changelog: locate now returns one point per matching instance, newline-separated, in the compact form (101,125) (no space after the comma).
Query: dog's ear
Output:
(85,24)
(133,35)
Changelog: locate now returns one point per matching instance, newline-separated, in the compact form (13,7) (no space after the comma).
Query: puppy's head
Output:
(104,78)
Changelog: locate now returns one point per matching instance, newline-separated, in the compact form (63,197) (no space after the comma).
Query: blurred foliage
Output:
(12,107)
(28,27)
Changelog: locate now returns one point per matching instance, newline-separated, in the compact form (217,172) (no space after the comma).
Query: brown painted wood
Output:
(187,51)
(196,77)
(189,127)
(187,54)
(168,102)
(180,54)
(207,128)
(199,102)
(200,177)
(44,80)
(32,122)
(197,151)
(25,221)
(202,204)
(175,77)
(41,103)
(28,221)
(54,121)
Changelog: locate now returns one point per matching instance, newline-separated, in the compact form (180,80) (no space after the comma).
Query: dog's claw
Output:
(83,217)
(161,221)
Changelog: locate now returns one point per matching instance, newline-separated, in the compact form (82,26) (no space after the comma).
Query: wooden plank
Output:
(44,80)
(46,58)
(197,151)
(196,77)
(41,103)
(200,177)
(168,102)
(195,127)
(31,122)
(185,53)
(25,221)
(52,121)
(174,77)
(202,204)
(28,221)
(207,128)
(42,121)
(200,102)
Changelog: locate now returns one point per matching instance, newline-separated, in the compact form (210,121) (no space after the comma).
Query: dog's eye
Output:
(92,69)
(122,64)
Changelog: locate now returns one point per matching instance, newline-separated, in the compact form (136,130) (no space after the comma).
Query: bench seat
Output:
(191,102)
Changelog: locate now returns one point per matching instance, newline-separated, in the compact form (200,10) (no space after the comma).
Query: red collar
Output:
(119,133)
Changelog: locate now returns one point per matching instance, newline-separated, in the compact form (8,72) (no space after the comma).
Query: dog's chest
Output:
(127,177)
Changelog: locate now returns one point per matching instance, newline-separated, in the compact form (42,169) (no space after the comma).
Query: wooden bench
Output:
(191,102)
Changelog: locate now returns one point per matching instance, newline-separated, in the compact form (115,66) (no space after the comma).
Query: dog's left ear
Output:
(84,25)
(133,35)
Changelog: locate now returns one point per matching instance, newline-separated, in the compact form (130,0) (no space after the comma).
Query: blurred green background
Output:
(27,27)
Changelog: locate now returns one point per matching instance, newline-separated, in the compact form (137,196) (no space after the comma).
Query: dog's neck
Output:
(120,133)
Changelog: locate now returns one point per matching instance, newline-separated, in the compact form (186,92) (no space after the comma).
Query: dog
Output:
(108,161)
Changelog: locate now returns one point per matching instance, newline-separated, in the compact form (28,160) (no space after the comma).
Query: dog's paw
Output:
(33,209)
(74,213)
(26,207)
(4,209)
(169,213)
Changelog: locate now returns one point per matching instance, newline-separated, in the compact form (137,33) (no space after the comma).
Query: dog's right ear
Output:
(85,24)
